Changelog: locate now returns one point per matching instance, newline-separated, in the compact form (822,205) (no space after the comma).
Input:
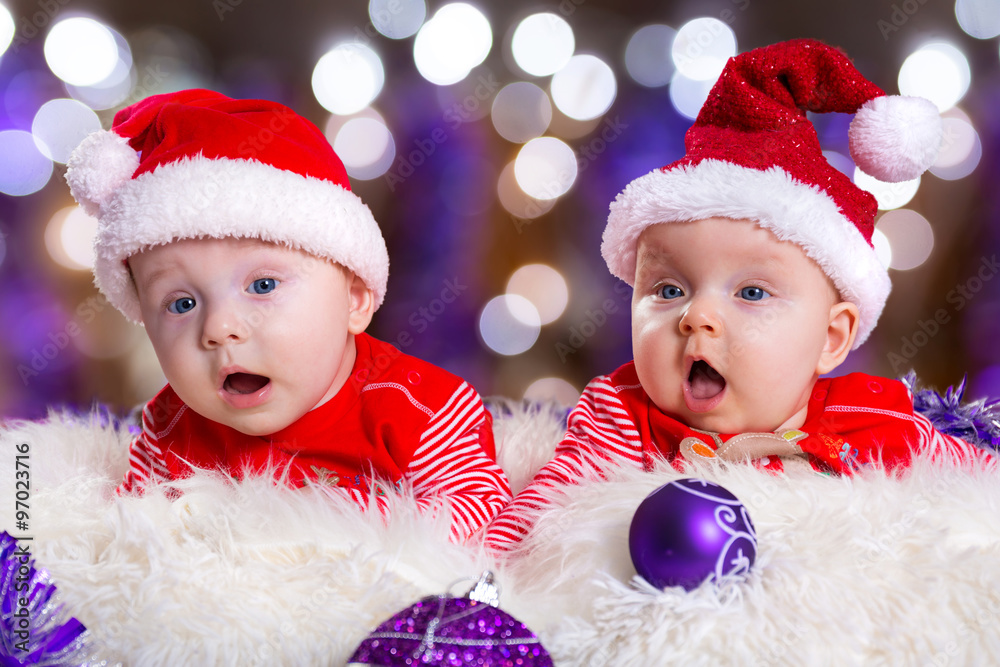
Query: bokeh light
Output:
(544,287)
(883,251)
(542,44)
(585,88)
(516,201)
(978,18)
(69,238)
(457,38)
(701,48)
(961,148)
(113,89)
(888,195)
(366,147)
(60,125)
(909,235)
(348,78)
(552,389)
(937,71)
(468,100)
(521,111)
(545,168)
(7,29)
(397,19)
(24,170)
(104,95)
(509,324)
(648,55)
(688,95)
(81,51)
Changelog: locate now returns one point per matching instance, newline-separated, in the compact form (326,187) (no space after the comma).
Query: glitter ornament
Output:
(453,632)
(689,531)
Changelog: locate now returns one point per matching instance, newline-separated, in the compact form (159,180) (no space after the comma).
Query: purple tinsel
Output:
(976,422)
(32,628)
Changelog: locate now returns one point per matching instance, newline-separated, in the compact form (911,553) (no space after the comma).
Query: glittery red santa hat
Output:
(196,164)
(752,153)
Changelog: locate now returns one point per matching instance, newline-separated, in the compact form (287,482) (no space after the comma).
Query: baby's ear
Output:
(840,334)
(362,305)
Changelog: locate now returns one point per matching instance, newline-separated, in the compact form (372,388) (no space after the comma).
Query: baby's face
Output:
(730,326)
(250,334)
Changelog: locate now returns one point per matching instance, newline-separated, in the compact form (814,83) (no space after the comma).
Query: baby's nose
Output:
(701,315)
(223,325)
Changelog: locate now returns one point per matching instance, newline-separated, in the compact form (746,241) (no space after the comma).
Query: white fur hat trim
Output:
(218,198)
(792,210)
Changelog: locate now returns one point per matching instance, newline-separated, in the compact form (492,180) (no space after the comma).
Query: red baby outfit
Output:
(396,418)
(852,421)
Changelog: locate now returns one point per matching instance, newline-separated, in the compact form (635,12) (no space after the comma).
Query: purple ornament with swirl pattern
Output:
(689,531)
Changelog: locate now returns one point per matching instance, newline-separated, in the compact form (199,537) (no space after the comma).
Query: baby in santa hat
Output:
(754,275)
(228,229)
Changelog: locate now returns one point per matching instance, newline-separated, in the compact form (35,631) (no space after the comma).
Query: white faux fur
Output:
(792,210)
(98,167)
(865,570)
(895,138)
(201,197)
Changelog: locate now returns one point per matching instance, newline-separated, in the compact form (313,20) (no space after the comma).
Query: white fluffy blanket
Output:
(868,570)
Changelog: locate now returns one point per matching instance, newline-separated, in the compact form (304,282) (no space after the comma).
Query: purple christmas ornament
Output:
(447,631)
(688,531)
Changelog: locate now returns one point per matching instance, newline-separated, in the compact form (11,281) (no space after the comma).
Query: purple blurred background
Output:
(454,243)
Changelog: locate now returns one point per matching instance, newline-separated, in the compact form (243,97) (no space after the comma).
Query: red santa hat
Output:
(752,153)
(197,164)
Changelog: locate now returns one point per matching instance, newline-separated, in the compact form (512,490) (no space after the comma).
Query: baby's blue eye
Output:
(671,292)
(263,285)
(181,305)
(753,293)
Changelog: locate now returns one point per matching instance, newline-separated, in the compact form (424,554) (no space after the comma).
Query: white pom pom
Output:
(98,167)
(895,138)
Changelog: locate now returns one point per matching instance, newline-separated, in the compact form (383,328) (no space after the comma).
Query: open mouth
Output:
(244,383)
(704,382)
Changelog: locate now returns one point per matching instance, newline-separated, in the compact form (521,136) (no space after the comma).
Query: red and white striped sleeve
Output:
(452,465)
(145,458)
(947,447)
(599,429)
